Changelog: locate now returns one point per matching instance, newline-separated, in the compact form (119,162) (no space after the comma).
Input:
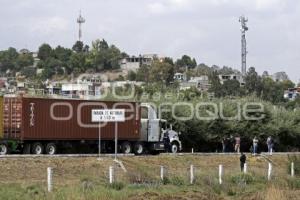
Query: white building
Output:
(202,82)
(237,77)
(81,90)
(133,63)
(292,93)
(179,76)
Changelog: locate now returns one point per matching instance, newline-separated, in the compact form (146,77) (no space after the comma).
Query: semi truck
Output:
(32,125)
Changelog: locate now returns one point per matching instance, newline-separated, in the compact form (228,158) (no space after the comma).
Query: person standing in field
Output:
(224,144)
(255,145)
(237,145)
(166,140)
(243,159)
(270,144)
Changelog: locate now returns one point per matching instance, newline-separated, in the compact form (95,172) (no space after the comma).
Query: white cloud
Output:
(49,25)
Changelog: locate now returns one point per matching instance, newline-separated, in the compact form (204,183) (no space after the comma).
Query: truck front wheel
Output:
(174,147)
(3,149)
(139,148)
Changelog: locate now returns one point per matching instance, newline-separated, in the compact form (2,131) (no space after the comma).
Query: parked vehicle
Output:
(41,125)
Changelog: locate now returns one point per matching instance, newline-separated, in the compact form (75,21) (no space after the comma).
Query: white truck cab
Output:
(153,130)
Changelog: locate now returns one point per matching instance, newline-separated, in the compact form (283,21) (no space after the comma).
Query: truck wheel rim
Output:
(3,149)
(127,149)
(174,148)
(38,150)
(51,150)
(140,149)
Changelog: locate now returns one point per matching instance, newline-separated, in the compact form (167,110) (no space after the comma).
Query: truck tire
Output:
(139,148)
(37,148)
(126,148)
(3,149)
(51,149)
(174,147)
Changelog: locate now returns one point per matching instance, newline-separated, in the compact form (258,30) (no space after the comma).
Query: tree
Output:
(45,51)
(78,47)
(24,60)
(143,73)
(253,82)
(62,54)
(286,84)
(29,72)
(103,56)
(8,59)
(131,75)
(168,60)
(78,62)
(161,72)
(186,61)
(231,88)
(216,86)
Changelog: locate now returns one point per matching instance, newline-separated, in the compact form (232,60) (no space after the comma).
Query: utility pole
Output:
(80,20)
(244,52)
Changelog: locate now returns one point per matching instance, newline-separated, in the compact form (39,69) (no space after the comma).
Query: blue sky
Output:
(206,30)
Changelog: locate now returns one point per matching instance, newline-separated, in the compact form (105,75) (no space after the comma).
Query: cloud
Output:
(49,25)
(205,29)
(169,6)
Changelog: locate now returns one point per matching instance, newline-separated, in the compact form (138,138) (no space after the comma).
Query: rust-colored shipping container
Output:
(44,119)
(1,116)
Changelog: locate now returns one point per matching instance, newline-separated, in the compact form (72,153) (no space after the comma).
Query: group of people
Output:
(233,144)
(269,142)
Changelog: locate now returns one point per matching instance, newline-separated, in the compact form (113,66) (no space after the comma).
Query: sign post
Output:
(109,115)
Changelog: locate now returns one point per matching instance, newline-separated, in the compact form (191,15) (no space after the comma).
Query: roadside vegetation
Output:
(87,178)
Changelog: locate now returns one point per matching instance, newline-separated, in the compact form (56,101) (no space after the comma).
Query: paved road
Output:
(128,155)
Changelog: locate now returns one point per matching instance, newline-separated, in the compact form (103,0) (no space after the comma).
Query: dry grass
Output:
(274,193)
(72,175)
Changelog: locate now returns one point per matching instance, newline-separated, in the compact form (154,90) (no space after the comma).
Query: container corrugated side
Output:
(38,124)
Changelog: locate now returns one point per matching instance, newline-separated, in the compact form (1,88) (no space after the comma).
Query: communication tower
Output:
(244,52)
(80,20)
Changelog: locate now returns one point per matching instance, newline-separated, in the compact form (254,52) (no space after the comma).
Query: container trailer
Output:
(50,126)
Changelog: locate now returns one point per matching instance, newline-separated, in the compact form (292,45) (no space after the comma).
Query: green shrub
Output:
(231,192)
(294,183)
(35,190)
(117,185)
(166,181)
(242,178)
(176,180)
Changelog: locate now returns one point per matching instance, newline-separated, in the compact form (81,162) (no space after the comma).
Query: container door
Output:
(1,117)
(12,117)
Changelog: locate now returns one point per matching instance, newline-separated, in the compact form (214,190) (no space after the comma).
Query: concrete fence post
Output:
(111,174)
(292,169)
(245,168)
(269,171)
(162,173)
(192,150)
(220,173)
(49,179)
(192,174)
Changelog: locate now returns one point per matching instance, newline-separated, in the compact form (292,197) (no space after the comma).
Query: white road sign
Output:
(108,115)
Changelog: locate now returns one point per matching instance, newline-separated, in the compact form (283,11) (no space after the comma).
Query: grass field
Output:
(87,178)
